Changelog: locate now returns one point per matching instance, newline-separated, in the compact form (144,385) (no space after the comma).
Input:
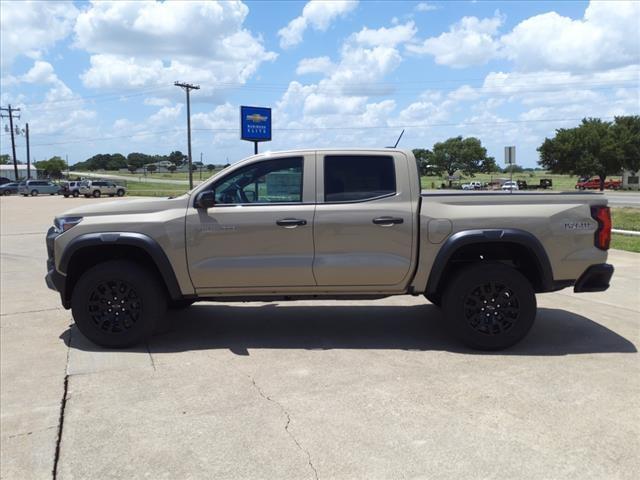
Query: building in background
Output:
(7,171)
(630,180)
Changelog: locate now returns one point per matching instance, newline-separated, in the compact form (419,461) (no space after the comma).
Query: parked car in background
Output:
(593,183)
(9,188)
(510,185)
(96,188)
(544,184)
(38,187)
(472,186)
(71,189)
(4,180)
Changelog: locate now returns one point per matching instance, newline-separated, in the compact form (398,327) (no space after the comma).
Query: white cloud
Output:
(41,72)
(30,28)
(606,37)
(471,41)
(314,65)
(148,43)
(386,36)
(317,14)
(425,7)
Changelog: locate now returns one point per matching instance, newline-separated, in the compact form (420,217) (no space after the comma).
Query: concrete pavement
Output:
(366,389)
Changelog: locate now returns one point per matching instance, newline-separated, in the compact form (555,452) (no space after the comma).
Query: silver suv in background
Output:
(38,187)
(96,188)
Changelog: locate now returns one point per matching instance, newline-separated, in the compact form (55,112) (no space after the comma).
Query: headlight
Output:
(62,224)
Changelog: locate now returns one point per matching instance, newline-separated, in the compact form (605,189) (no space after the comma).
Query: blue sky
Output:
(98,77)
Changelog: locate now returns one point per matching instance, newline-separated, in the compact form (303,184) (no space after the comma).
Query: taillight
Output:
(602,237)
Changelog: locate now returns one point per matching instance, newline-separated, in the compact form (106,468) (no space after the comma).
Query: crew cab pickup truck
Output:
(327,224)
(593,183)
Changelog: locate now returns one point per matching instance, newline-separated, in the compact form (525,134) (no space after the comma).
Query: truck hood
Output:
(128,207)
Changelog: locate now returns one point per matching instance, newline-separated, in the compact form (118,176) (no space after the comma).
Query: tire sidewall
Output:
(148,289)
(465,282)
(96,193)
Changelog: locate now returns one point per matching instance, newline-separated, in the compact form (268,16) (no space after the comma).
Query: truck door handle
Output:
(291,222)
(387,221)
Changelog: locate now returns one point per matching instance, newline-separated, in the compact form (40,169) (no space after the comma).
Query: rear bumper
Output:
(594,279)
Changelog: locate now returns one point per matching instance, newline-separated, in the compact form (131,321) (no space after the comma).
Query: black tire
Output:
(6,192)
(140,297)
(120,193)
(96,194)
(76,194)
(489,306)
(180,304)
(34,193)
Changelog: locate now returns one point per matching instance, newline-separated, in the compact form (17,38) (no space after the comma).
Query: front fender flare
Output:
(139,240)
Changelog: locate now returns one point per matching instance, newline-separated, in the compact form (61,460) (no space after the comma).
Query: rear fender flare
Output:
(510,235)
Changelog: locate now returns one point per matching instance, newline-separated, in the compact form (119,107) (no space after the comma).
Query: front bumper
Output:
(596,278)
(54,279)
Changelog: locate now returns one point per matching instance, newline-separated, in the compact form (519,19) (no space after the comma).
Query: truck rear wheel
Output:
(118,303)
(489,306)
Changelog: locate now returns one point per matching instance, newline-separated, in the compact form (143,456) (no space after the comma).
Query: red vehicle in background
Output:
(593,183)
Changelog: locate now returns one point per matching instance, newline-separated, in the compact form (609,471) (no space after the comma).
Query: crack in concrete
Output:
(63,405)
(153,363)
(286,427)
(32,432)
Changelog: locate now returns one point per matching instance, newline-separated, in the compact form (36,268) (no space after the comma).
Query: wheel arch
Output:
(519,247)
(89,249)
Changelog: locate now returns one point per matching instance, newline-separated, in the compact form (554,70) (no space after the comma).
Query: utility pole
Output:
(187,88)
(28,152)
(201,165)
(13,141)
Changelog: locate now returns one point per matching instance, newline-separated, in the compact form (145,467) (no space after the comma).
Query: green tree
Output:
(626,131)
(139,159)
(151,168)
(53,167)
(423,159)
(592,148)
(172,168)
(513,169)
(5,159)
(132,168)
(177,158)
(211,167)
(458,154)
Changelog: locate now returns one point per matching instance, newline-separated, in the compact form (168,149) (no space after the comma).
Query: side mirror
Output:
(205,199)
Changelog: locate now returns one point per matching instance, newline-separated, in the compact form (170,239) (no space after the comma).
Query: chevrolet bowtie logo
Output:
(256,117)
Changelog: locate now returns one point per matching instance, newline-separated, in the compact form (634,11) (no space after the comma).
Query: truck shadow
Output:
(418,327)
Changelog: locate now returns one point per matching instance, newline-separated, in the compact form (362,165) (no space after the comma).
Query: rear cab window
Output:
(357,178)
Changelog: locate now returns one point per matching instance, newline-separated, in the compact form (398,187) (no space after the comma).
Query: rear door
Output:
(363,228)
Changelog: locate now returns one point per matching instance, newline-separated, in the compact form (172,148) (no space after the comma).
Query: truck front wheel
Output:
(489,306)
(118,303)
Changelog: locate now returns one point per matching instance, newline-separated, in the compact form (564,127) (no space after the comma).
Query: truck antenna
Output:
(398,141)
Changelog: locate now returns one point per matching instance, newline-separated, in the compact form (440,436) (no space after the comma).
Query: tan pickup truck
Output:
(339,224)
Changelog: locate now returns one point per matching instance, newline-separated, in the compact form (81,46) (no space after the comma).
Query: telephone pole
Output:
(187,88)
(26,133)
(13,141)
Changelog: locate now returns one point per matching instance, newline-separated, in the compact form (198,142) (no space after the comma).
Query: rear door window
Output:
(349,178)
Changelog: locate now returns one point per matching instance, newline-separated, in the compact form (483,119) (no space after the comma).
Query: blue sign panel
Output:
(255,124)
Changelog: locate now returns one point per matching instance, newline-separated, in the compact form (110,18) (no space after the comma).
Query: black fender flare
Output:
(510,235)
(139,240)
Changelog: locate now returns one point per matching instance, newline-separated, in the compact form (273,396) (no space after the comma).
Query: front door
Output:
(363,229)
(260,231)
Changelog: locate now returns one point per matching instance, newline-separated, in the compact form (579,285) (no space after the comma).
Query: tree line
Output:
(133,161)
(595,147)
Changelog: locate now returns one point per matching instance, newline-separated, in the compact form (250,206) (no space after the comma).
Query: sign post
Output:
(510,159)
(255,125)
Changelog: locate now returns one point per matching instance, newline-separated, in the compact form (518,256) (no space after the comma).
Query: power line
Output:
(10,111)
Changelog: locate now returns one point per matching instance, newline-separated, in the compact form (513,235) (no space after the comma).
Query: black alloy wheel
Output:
(118,303)
(489,306)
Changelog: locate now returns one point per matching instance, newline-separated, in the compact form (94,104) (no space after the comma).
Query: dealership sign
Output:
(255,124)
